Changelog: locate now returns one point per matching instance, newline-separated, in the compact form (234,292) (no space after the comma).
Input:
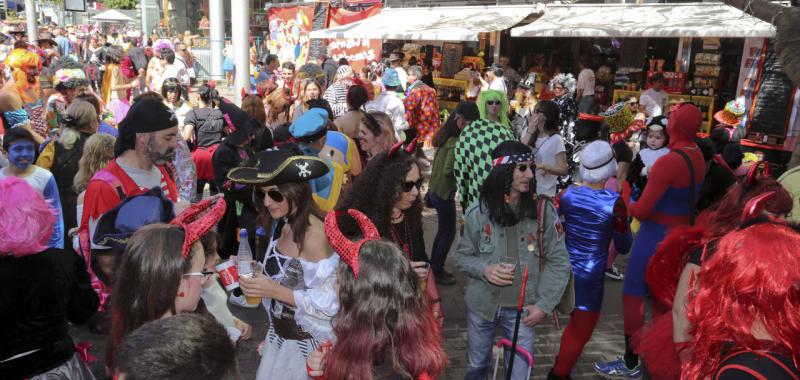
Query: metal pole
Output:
(240,30)
(217,42)
(30,17)
(145,33)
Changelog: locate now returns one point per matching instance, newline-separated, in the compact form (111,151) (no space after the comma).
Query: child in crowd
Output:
(656,140)
(214,296)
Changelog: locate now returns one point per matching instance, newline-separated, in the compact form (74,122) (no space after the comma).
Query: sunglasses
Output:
(408,186)
(273,194)
(493,102)
(524,167)
(205,274)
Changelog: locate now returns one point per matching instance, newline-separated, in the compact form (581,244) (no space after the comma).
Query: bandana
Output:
(513,159)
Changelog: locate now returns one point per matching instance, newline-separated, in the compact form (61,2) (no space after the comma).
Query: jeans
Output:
(446,214)
(480,340)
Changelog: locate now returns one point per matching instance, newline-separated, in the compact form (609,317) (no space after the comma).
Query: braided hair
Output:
(497,186)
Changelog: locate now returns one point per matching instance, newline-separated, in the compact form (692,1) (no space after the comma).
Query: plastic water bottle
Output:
(244,256)
(261,239)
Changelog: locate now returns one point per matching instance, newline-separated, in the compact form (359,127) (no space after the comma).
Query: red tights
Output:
(578,331)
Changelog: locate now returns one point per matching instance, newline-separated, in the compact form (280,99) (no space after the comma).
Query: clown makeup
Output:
(21,154)
(655,139)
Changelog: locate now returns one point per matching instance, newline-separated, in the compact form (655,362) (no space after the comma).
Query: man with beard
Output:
(146,144)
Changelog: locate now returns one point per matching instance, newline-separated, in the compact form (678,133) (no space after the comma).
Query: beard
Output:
(159,158)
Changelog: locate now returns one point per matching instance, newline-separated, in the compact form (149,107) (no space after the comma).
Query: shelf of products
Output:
(705,103)
(449,92)
(674,82)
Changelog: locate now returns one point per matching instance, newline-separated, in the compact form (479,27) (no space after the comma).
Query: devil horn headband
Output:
(198,219)
(756,205)
(753,173)
(348,250)
(396,147)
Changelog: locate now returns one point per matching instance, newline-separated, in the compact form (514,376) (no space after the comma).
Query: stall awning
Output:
(435,23)
(645,20)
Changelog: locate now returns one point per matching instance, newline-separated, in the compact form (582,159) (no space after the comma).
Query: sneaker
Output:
(617,370)
(240,301)
(445,278)
(614,273)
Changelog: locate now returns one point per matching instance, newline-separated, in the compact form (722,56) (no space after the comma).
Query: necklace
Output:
(406,241)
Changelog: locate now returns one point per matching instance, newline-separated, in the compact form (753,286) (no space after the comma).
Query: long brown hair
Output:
(147,281)
(301,208)
(254,107)
(383,319)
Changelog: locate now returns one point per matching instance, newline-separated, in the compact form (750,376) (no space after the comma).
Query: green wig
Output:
(487,95)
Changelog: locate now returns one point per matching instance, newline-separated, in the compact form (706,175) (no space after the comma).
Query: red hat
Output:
(198,219)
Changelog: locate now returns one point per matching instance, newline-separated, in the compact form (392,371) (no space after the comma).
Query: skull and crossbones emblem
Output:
(304,172)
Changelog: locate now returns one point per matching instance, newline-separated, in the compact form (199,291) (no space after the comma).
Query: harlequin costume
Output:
(112,184)
(592,219)
(665,204)
(422,109)
(294,330)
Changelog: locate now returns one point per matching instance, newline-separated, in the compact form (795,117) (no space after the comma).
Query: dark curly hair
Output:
(382,179)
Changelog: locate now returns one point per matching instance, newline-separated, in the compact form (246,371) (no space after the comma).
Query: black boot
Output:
(553,376)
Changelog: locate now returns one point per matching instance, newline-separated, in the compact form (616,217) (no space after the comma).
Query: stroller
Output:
(499,350)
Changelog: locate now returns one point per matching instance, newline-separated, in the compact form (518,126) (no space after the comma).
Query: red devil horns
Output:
(198,219)
(756,205)
(396,147)
(348,250)
(753,173)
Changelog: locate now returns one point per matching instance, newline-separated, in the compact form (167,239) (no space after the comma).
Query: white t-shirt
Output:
(586,82)
(654,102)
(390,104)
(402,76)
(499,84)
(545,151)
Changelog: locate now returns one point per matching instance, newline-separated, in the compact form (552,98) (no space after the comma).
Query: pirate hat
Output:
(279,166)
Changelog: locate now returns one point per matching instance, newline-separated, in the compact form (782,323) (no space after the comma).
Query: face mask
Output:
(21,154)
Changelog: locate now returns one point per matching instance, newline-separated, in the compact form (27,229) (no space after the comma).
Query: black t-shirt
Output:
(208,125)
(750,365)
(715,186)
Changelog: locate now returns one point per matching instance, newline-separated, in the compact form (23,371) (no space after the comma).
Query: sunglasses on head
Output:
(273,194)
(409,185)
(493,102)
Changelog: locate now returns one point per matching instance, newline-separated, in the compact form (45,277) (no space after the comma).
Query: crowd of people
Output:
(127,189)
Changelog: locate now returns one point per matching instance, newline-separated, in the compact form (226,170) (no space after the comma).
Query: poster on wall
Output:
(752,48)
(358,51)
(288,33)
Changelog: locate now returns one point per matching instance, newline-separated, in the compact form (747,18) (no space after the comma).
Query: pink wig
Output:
(752,278)
(26,221)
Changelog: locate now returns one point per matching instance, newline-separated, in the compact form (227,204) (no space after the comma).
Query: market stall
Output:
(448,38)
(705,51)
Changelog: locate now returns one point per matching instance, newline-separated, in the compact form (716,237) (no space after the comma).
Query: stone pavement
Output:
(606,342)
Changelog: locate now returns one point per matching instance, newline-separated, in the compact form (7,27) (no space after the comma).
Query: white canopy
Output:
(646,20)
(435,23)
(111,15)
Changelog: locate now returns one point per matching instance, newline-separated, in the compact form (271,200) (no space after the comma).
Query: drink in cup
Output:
(509,264)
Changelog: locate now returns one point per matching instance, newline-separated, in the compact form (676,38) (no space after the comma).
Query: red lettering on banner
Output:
(359,52)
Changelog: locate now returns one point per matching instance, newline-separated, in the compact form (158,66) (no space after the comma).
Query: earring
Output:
(507,198)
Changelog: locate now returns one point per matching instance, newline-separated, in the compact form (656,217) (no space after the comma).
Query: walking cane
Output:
(516,323)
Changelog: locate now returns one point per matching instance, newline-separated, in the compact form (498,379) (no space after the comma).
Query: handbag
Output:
(567,303)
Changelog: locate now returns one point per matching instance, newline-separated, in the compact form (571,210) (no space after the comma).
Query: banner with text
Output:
(358,51)
(288,33)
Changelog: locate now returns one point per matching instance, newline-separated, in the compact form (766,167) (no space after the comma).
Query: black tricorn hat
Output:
(280,166)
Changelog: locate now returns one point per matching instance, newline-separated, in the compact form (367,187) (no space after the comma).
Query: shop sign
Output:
(359,52)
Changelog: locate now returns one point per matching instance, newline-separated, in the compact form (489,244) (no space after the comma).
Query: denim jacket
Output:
(485,243)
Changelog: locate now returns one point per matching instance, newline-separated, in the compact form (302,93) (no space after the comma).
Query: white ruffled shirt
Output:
(319,302)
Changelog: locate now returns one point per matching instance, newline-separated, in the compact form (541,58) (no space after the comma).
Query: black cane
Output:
(516,323)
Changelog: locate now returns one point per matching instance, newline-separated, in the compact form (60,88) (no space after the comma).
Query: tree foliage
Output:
(120,4)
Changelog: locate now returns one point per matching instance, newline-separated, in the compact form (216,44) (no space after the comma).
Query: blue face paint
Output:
(21,154)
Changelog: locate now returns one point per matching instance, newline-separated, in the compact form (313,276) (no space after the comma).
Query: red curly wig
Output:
(753,280)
